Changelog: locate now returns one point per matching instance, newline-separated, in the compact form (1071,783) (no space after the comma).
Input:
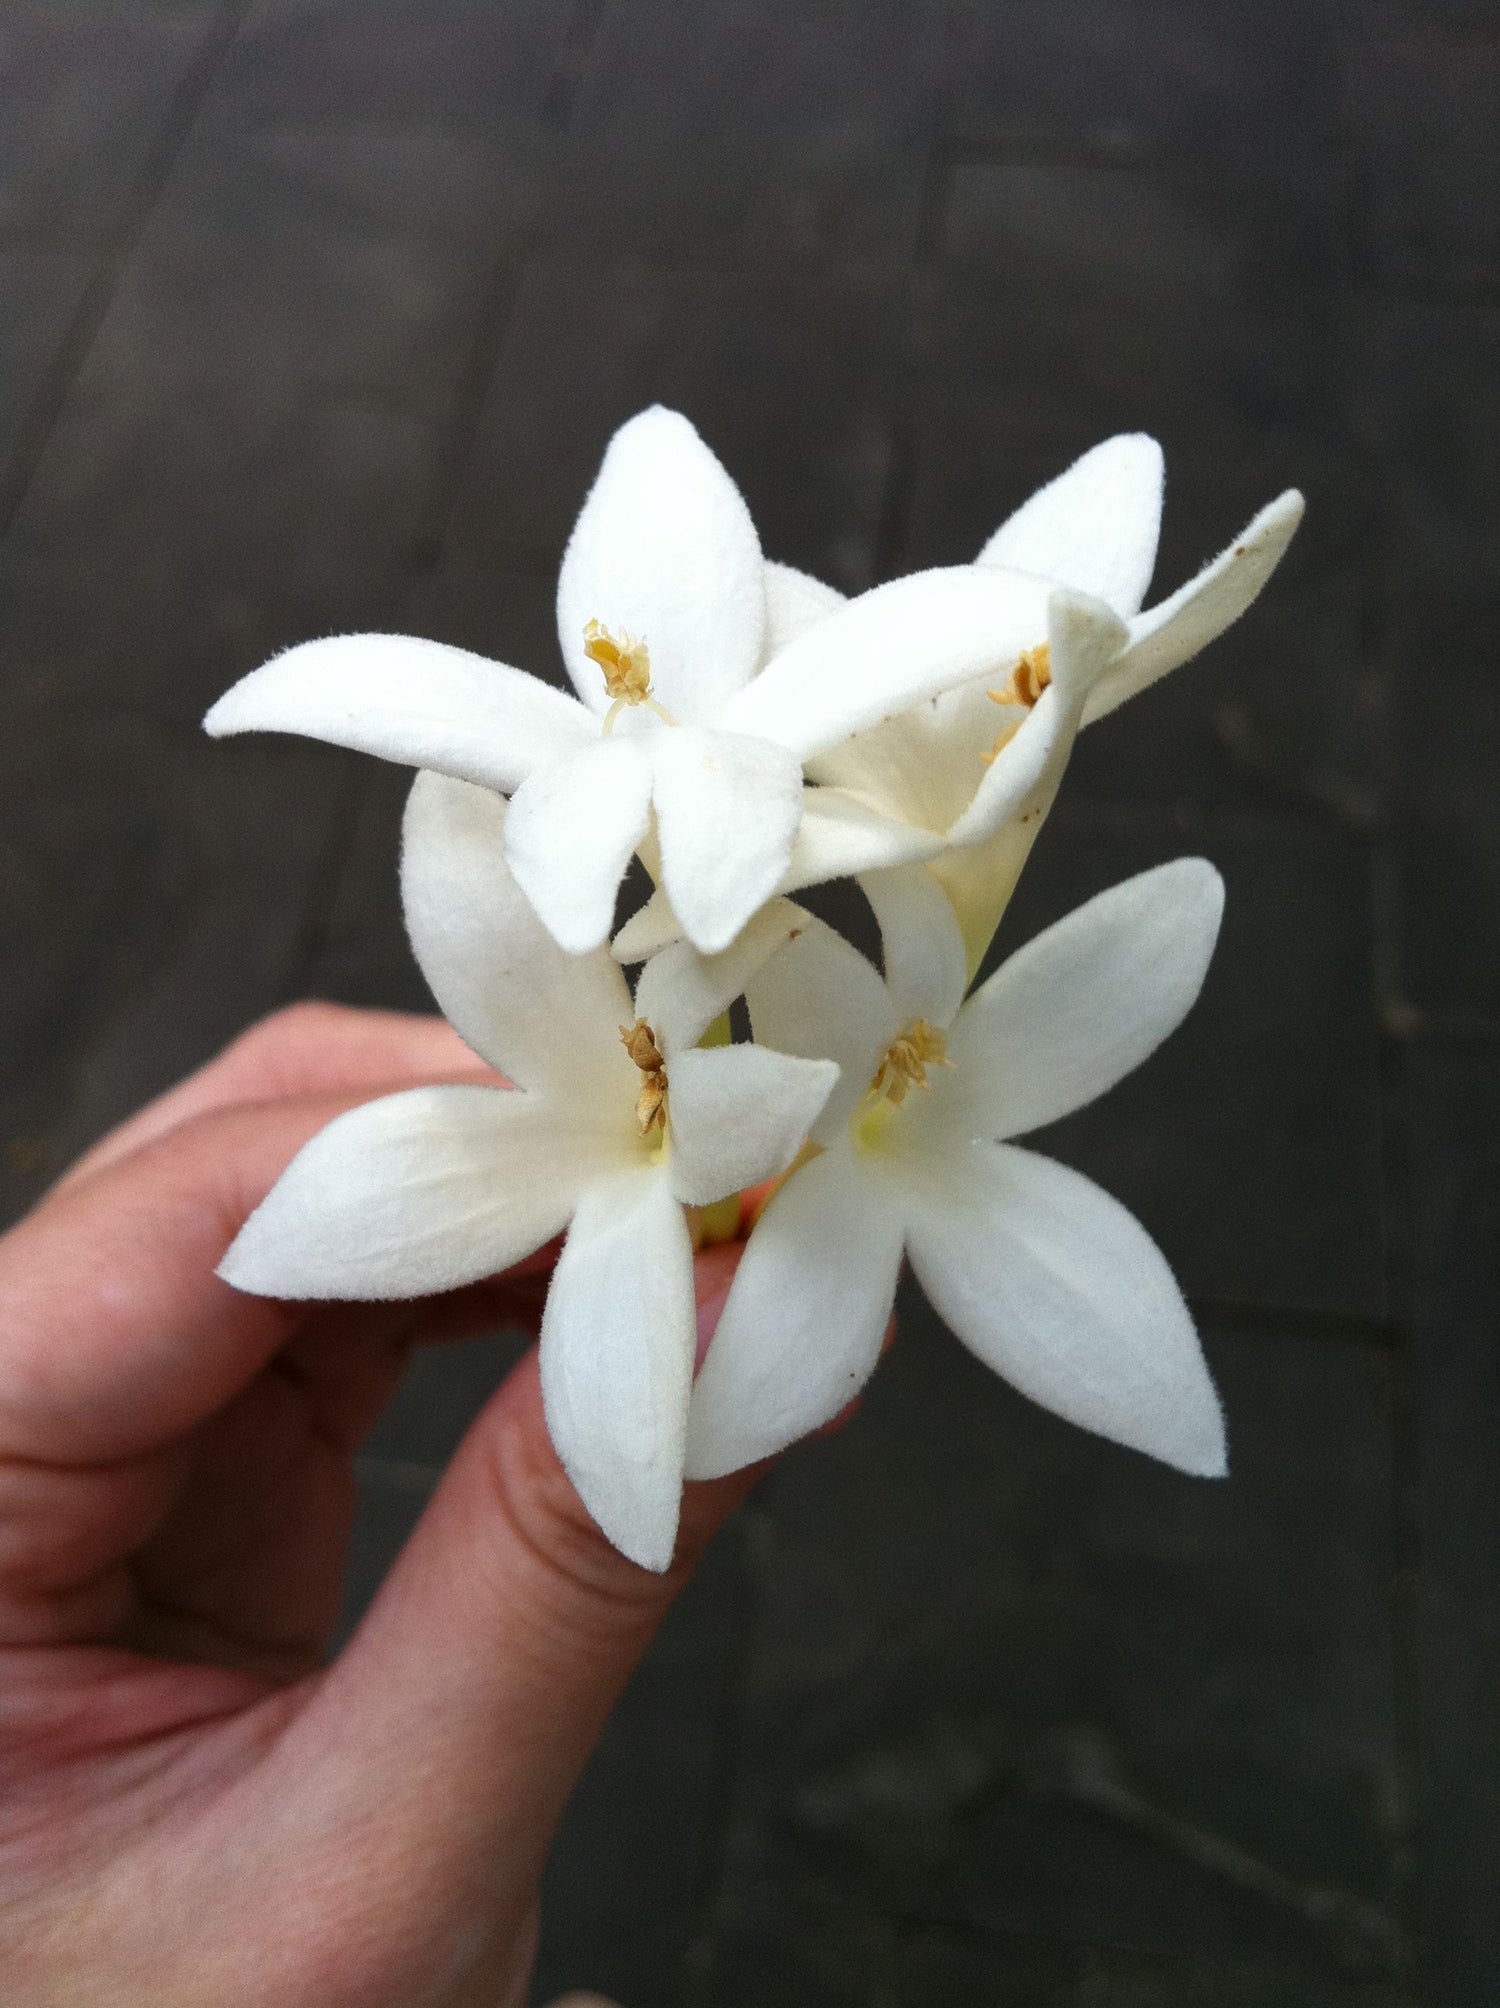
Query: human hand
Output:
(194,1807)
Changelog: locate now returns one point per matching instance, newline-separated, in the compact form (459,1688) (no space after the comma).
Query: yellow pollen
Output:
(1023,686)
(626,663)
(907,1059)
(639,1042)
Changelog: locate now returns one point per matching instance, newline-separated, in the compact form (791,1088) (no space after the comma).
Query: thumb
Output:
(479,1681)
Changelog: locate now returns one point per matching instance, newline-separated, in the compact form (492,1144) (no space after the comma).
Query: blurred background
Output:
(317,316)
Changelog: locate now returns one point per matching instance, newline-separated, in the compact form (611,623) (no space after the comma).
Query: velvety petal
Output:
(839,837)
(665,552)
(980,878)
(1169,633)
(802,1329)
(1083,1004)
(836,838)
(1054,1285)
(1084,638)
(416,1193)
(925,970)
(727,808)
(571,831)
(618,1339)
(795,601)
(885,652)
(922,766)
(650,929)
(739,1114)
(415,702)
(1095,527)
(680,992)
(820,998)
(532,1010)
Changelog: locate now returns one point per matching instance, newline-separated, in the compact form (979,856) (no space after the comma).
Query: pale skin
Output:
(195,1807)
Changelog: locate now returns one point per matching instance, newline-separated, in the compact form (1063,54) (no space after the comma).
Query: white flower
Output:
(616,1122)
(702,689)
(1049,1280)
(979,780)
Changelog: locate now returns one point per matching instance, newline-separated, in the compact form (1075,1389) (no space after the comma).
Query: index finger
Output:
(305,1049)
(116,1336)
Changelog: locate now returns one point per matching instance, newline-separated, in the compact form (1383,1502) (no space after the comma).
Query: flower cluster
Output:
(748,732)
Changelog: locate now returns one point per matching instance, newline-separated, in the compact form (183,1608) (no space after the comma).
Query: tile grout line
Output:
(183,107)
(1404,1498)
(455,435)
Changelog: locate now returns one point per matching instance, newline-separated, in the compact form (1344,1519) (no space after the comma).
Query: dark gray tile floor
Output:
(319,314)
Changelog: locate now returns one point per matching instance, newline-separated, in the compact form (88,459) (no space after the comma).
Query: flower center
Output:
(1023,686)
(639,1042)
(626,663)
(906,1060)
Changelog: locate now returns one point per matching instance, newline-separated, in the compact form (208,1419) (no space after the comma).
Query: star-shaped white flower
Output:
(979,779)
(616,1122)
(1049,1280)
(697,705)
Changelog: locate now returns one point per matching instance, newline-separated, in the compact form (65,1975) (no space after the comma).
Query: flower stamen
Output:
(626,663)
(1025,684)
(906,1060)
(639,1042)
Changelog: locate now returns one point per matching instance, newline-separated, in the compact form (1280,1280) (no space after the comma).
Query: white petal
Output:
(1054,1285)
(415,1193)
(1084,639)
(922,766)
(837,837)
(801,1332)
(820,998)
(727,808)
(925,968)
(650,929)
(886,651)
(618,1338)
(571,831)
(1084,1004)
(416,702)
(1166,635)
(739,1114)
(1095,527)
(1028,764)
(665,551)
(980,878)
(795,601)
(533,1011)
(680,992)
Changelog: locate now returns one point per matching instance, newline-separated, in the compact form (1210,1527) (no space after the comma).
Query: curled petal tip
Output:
(1278,520)
(1085,610)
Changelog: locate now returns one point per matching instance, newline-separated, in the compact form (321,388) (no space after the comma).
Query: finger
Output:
(488,1663)
(116,1336)
(306,1049)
